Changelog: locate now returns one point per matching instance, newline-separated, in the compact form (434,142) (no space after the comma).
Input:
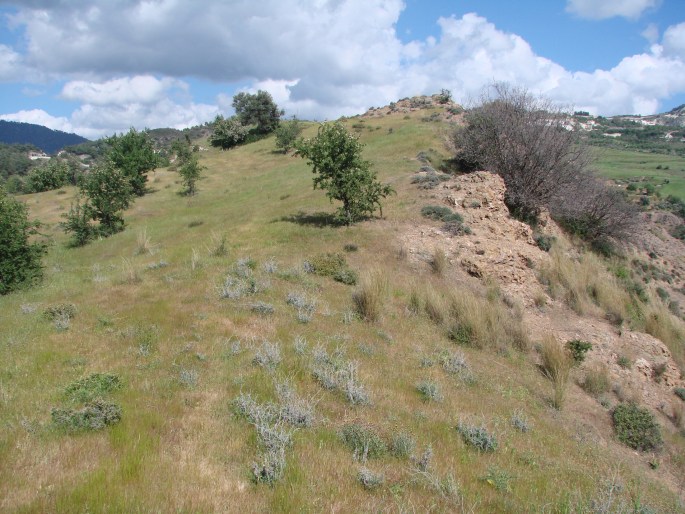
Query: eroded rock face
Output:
(502,249)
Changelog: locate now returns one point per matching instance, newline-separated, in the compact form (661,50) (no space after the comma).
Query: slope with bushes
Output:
(246,380)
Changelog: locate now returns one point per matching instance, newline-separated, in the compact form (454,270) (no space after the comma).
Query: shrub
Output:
(636,427)
(20,258)
(402,445)
(332,265)
(556,365)
(262,308)
(578,349)
(478,437)
(228,132)
(91,387)
(61,310)
(268,355)
(364,441)
(369,479)
(441,213)
(95,415)
(287,133)
(429,391)
(519,421)
(680,392)
(334,372)
(521,138)
(544,241)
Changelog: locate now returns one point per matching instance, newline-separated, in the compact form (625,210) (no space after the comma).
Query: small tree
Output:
(189,167)
(51,175)
(335,157)
(228,132)
(258,110)
(20,259)
(134,155)
(287,133)
(106,191)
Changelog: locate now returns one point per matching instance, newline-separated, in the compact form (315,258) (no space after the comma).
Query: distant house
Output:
(614,134)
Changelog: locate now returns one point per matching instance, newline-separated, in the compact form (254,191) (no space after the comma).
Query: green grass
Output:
(180,448)
(630,165)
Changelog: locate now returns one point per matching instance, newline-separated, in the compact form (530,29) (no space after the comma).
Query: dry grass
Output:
(438,261)
(371,295)
(585,284)
(596,381)
(144,244)
(660,323)
(556,365)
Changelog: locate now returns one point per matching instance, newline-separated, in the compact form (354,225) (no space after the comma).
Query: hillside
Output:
(226,352)
(48,140)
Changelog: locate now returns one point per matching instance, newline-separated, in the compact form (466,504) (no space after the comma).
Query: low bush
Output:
(578,349)
(95,415)
(478,437)
(332,265)
(369,479)
(364,441)
(680,392)
(441,213)
(636,427)
(429,391)
(91,387)
(544,241)
(402,445)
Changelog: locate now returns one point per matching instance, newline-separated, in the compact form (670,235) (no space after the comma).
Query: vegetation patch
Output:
(364,441)
(477,436)
(636,427)
(91,387)
(95,415)
(332,265)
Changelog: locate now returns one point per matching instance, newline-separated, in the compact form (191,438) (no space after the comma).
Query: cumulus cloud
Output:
(602,9)
(126,62)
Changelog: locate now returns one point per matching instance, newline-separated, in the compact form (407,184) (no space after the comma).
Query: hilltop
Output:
(48,140)
(214,324)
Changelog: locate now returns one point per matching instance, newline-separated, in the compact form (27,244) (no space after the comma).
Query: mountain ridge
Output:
(48,140)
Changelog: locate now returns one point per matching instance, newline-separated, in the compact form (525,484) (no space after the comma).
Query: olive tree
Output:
(258,110)
(20,258)
(336,160)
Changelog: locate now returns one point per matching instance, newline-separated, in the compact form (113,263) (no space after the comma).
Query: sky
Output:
(100,67)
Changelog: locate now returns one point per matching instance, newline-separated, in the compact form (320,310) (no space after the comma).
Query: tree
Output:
(259,110)
(106,191)
(51,175)
(525,140)
(20,259)
(335,157)
(133,154)
(189,167)
(228,132)
(287,133)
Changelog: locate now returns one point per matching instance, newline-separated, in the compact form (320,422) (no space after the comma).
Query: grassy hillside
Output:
(178,307)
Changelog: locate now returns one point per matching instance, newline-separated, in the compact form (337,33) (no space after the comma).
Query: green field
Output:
(628,165)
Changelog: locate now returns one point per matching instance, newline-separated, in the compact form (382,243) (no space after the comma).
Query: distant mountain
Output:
(48,140)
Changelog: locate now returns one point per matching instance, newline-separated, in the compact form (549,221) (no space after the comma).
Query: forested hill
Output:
(48,140)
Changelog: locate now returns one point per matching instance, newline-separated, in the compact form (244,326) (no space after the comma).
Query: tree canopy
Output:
(228,132)
(258,110)
(20,259)
(133,154)
(336,160)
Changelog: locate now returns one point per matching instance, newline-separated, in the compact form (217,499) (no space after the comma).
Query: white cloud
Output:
(602,9)
(674,41)
(126,62)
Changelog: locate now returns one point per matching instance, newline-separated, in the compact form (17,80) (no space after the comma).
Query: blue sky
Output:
(96,68)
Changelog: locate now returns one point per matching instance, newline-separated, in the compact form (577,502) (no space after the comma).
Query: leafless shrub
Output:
(525,140)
